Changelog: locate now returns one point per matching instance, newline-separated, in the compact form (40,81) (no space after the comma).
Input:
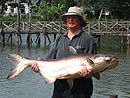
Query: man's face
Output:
(73,21)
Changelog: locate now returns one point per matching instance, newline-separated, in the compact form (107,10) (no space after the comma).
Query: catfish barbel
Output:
(64,68)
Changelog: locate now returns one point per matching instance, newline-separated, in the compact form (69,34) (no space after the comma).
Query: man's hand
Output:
(85,72)
(34,67)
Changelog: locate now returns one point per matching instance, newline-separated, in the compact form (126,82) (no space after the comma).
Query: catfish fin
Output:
(70,76)
(90,61)
(70,83)
(15,58)
(11,73)
(48,79)
(18,66)
(72,50)
(97,76)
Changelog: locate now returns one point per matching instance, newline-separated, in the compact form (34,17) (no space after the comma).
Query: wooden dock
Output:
(45,28)
(97,29)
(116,28)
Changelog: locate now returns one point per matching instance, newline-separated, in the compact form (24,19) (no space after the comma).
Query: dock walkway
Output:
(97,29)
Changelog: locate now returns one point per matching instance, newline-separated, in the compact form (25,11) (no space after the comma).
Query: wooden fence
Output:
(100,28)
(109,28)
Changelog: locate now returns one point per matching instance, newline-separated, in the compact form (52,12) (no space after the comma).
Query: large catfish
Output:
(64,68)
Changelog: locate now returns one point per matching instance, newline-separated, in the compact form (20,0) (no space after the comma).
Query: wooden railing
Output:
(112,28)
(121,28)
(33,27)
(97,28)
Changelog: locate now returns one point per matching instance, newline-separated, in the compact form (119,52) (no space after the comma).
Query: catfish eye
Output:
(107,59)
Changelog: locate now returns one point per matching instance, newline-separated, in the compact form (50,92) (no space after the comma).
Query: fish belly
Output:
(50,71)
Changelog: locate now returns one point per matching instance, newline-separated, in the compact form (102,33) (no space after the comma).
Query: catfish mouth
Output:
(111,65)
(113,62)
(106,65)
(104,69)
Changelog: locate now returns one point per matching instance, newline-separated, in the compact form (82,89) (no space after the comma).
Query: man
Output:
(83,43)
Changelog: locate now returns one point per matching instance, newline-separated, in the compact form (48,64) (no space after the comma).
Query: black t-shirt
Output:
(83,43)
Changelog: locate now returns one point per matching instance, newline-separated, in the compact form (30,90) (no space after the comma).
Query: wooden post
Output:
(10,37)
(0,29)
(99,40)
(128,39)
(128,34)
(18,24)
(45,38)
(1,32)
(29,39)
(38,39)
(48,38)
(44,32)
(122,39)
(3,35)
(113,96)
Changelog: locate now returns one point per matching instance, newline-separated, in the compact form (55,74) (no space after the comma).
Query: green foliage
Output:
(50,10)
(1,16)
(119,9)
(13,4)
(2,1)
(8,18)
(50,13)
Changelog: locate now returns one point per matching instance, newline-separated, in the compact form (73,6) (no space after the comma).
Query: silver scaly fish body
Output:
(65,68)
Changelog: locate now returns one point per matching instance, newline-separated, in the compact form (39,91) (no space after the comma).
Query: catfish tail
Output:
(15,58)
(18,66)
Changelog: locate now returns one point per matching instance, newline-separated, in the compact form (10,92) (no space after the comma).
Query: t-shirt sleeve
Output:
(91,46)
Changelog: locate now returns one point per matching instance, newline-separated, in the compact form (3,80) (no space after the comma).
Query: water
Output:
(30,85)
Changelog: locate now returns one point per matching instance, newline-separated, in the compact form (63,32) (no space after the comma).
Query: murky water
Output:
(30,85)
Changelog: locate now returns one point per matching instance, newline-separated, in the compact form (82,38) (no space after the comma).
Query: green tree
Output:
(50,13)
(2,3)
(119,8)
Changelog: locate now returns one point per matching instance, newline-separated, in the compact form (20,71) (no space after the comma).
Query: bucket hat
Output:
(75,11)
